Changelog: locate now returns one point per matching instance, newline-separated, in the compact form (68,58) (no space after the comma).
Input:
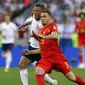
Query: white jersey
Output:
(8,31)
(35,26)
(29,19)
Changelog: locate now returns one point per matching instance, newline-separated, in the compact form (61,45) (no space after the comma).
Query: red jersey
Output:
(49,47)
(80,29)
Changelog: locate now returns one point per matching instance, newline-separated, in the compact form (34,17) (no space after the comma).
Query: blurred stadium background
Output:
(64,13)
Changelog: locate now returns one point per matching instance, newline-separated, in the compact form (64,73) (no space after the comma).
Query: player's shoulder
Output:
(2,23)
(12,23)
(53,24)
(29,19)
(40,30)
(37,23)
(34,21)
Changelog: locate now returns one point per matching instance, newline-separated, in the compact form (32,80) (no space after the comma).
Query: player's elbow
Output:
(55,37)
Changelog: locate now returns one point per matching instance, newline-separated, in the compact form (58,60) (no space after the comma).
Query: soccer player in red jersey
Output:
(52,56)
(80,29)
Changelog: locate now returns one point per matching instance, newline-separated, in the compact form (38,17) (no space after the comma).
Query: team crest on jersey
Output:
(55,27)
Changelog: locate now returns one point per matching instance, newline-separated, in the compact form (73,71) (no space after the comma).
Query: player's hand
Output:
(23,29)
(26,52)
(20,27)
(33,34)
(41,36)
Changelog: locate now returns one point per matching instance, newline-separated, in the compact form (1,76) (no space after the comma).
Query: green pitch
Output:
(12,77)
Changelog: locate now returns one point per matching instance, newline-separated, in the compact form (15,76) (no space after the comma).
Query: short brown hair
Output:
(46,11)
(81,13)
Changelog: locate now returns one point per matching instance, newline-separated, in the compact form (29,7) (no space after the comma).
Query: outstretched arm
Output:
(25,24)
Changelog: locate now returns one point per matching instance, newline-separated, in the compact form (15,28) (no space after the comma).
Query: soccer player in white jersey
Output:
(27,59)
(7,30)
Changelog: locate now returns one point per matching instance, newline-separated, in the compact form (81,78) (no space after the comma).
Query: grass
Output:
(13,78)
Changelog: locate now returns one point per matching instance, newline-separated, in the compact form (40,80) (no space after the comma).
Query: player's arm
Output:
(28,52)
(53,35)
(25,24)
(35,36)
(23,29)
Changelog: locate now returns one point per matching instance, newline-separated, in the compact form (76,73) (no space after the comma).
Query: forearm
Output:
(28,23)
(25,24)
(34,35)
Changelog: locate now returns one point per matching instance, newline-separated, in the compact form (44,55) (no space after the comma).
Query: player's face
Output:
(45,18)
(37,12)
(7,18)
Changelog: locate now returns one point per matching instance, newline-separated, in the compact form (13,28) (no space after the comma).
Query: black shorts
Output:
(33,57)
(7,46)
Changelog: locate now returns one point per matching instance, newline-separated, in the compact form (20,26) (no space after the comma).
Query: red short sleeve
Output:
(54,28)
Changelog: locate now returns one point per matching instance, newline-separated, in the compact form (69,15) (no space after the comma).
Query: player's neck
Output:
(82,19)
(8,22)
(38,19)
(46,24)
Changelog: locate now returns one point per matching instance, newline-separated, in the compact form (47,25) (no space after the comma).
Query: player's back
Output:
(49,47)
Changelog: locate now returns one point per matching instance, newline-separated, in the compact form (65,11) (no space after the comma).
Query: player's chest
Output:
(45,31)
(36,25)
(7,28)
(81,25)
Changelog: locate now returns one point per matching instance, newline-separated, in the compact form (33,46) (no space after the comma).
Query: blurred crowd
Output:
(64,13)
(13,7)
